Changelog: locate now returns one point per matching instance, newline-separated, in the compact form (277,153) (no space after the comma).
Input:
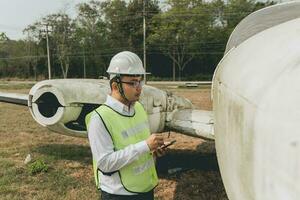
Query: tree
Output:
(177,31)
(135,10)
(116,17)
(3,37)
(60,28)
(119,25)
(3,54)
(62,32)
(190,33)
(34,51)
(91,34)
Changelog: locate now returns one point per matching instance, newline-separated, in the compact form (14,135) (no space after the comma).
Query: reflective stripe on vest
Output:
(140,175)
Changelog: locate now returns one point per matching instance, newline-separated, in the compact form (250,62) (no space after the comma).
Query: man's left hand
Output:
(160,152)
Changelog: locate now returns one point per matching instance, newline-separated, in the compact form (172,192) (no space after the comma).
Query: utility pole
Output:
(144,40)
(82,42)
(48,51)
(174,64)
(84,70)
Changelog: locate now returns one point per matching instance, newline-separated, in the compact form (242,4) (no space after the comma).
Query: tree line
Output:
(184,38)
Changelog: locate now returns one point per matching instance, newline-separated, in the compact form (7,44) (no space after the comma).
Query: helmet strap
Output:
(120,87)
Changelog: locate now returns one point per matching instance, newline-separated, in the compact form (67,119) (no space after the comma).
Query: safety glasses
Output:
(135,84)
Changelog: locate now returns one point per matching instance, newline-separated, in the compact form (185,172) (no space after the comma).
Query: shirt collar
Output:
(118,106)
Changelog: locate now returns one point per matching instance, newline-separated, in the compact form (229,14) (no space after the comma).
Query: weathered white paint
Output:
(193,122)
(256,95)
(165,110)
(262,20)
(16,98)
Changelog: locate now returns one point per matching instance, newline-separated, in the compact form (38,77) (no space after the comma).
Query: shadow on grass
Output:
(187,160)
(78,153)
(196,173)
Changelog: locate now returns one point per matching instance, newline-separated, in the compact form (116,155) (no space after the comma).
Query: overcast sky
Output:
(15,15)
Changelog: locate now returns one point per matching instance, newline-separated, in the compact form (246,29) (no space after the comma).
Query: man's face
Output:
(132,86)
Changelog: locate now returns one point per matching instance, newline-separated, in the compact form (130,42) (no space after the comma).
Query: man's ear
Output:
(114,86)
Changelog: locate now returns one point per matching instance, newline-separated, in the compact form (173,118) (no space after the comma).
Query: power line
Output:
(110,54)
(186,43)
(192,53)
(111,51)
(168,14)
(23,57)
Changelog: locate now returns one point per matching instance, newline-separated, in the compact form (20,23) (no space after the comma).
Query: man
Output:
(119,135)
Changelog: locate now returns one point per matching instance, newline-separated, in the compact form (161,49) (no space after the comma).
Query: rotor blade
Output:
(14,98)
(197,123)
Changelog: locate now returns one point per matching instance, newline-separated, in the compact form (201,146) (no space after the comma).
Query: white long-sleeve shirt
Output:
(103,152)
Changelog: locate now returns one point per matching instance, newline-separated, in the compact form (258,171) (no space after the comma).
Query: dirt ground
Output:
(188,171)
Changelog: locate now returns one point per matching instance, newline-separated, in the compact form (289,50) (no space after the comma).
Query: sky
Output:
(15,15)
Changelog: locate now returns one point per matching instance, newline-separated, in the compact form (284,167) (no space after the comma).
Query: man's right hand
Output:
(155,141)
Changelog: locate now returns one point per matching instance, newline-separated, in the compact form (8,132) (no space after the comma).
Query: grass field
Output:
(68,159)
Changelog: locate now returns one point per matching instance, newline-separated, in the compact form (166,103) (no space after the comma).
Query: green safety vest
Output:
(140,175)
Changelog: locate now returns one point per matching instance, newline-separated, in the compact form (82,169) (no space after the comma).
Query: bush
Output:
(37,167)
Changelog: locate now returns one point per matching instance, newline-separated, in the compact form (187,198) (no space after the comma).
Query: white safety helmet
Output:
(125,63)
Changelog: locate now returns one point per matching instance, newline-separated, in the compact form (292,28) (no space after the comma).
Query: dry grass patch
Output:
(70,175)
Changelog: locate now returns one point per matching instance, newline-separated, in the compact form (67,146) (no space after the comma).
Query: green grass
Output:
(17,182)
(57,182)
(8,172)
(69,174)
(9,86)
(38,166)
(66,152)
